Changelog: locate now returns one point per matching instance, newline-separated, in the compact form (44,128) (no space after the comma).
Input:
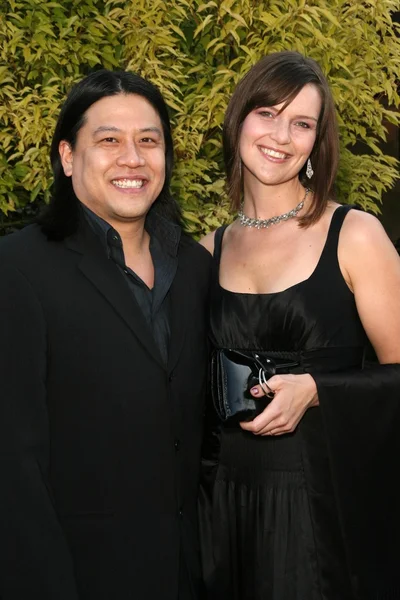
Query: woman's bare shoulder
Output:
(365,247)
(363,229)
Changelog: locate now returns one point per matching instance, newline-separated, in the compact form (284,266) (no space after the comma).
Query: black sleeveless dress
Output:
(270,529)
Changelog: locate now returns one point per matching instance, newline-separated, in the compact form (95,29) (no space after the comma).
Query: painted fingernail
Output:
(254,391)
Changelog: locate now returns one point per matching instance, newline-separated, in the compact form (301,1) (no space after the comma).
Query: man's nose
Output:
(131,156)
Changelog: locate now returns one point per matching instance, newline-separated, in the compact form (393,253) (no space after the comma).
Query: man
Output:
(102,365)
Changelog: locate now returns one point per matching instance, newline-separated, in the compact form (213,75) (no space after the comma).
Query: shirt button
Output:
(126,271)
(180,512)
(177,445)
(170,378)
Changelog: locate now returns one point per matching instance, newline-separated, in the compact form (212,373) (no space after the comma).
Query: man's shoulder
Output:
(30,232)
(194,263)
(189,246)
(24,246)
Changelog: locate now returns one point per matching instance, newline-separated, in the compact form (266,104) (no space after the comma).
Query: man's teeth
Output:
(128,183)
(273,153)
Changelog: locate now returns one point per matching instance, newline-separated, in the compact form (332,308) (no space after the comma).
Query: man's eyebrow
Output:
(151,129)
(107,128)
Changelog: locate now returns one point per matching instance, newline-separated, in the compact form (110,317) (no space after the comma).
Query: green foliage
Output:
(195,51)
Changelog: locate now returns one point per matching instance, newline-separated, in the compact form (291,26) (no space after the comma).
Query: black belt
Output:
(234,372)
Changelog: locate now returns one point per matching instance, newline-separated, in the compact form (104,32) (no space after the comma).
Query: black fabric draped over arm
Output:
(361,416)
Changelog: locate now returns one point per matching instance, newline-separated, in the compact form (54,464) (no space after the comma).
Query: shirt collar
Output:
(168,234)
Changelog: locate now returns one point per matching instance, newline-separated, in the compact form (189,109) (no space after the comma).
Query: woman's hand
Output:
(294,394)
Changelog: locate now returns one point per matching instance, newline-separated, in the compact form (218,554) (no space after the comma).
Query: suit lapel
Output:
(179,316)
(105,276)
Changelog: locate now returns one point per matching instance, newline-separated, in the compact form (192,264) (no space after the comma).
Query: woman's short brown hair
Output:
(278,78)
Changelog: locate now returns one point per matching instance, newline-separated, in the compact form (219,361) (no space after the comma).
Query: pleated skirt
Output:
(256,530)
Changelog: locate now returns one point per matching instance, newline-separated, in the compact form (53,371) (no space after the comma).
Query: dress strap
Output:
(219,234)
(332,240)
(337,221)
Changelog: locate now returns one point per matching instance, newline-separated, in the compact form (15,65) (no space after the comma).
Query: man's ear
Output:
(65,150)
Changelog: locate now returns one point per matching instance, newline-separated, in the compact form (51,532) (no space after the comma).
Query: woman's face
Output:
(275,145)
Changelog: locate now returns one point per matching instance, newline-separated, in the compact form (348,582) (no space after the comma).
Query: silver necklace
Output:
(265,223)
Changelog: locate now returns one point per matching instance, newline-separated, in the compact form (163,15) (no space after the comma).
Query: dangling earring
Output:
(309,170)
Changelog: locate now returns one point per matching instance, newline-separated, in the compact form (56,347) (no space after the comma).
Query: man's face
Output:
(118,163)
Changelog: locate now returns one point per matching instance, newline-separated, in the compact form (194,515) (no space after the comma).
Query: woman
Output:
(302,504)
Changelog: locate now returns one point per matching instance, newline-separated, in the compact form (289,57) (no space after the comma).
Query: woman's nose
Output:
(281,131)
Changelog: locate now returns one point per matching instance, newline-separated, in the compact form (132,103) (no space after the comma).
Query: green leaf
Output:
(203,25)
(35,192)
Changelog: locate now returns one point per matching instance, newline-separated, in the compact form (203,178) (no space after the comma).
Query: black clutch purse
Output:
(234,373)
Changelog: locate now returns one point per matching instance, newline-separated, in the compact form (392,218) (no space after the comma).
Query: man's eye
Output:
(148,140)
(109,139)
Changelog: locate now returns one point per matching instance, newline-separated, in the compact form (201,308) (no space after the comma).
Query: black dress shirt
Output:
(154,303)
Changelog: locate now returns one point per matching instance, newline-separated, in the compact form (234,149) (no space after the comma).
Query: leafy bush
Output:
(195,51)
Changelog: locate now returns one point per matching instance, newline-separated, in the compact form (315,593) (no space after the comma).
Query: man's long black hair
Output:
(61,217)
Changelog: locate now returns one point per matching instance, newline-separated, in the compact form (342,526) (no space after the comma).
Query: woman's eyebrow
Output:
(306,117)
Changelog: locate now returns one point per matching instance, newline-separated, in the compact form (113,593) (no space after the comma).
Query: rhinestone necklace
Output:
(265,223)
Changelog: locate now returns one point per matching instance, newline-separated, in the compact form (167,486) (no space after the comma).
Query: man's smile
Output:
(129,183)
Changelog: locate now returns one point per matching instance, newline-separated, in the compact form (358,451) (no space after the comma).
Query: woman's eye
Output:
(266,113)
(303,124)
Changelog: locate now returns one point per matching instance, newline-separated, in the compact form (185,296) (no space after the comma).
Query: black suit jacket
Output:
(99,442)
